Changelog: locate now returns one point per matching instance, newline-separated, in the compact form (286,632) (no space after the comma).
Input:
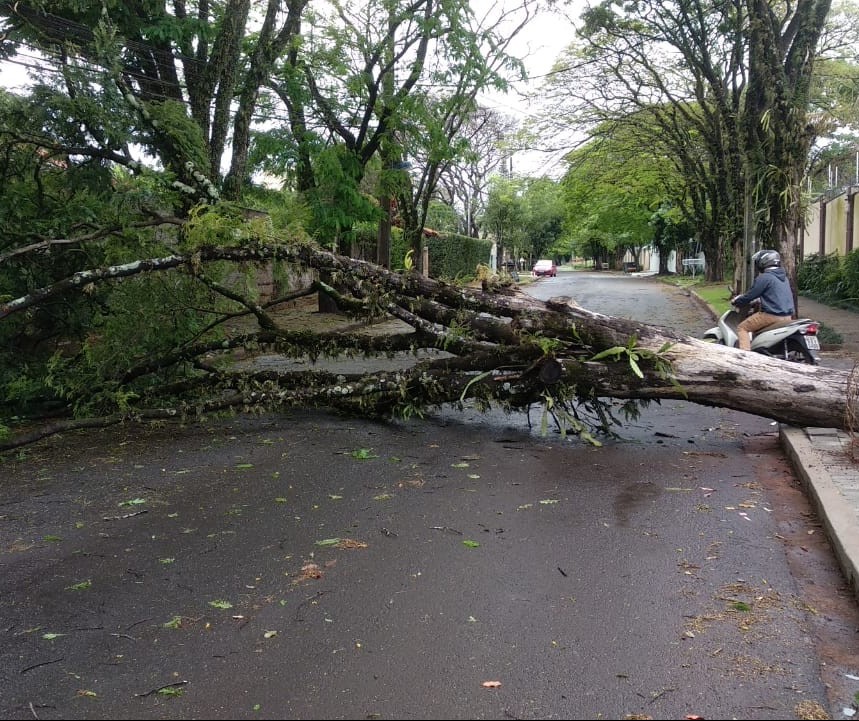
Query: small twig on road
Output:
(33,710)
(161,688)
(127,515)
(44,663)
(446,529)
(656,695)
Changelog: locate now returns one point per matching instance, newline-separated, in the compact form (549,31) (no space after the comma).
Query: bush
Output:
(829,336)
(451,256)
(831,279)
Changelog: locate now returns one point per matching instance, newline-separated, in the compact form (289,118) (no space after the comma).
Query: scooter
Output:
(792,340)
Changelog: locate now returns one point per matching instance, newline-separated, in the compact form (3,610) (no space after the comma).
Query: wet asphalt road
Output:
(640,298)
(308,566)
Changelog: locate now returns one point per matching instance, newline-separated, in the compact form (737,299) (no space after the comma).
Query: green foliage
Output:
(544,219)
(82,586)
(634,355)
(142,318)
(671,229)
(504,216)
(186,138)
(337,202)
(46,195)
(72,346)
(80,381)
(831,278)
(170,691)
(525,217)
(43,193)
(567,422)
(225,225)
(610,193)
(849,289)
(220,603)
(628,351)
(288,213)
(442,217)
(363,240)
(547,346)
(453,256)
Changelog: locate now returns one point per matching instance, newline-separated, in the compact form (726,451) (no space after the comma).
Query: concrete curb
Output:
(836,511)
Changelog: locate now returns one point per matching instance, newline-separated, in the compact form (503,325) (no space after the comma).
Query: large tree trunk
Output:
(715,375)
(499,348)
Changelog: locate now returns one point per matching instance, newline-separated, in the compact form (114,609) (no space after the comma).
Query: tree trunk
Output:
(495,347)
(715,375)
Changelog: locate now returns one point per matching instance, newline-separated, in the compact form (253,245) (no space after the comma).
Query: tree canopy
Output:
(725,91)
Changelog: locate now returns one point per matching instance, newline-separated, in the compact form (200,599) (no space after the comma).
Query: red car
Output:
(544,267)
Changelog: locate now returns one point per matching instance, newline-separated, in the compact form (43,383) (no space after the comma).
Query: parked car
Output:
(544,267)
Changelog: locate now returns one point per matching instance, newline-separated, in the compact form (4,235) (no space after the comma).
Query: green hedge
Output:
(833,279)
(456,257)
(451,256)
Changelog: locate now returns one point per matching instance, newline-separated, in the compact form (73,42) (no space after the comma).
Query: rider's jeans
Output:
(752,324)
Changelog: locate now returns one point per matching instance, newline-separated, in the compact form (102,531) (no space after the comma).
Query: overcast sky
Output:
(538,45)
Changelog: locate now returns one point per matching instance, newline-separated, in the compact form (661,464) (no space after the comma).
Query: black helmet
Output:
(764,259)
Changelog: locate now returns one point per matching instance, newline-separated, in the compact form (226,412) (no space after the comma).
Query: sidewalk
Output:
(826,460)
(844,321)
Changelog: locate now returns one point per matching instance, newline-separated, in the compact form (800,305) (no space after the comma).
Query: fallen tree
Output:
(493,346)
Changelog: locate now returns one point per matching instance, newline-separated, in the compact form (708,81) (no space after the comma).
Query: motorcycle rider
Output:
(776,297)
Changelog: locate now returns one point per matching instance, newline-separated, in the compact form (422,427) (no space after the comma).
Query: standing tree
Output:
(544,218)
(776,129)
(725,89)
(611,189)
(465,184)
(669,77)
(504,219)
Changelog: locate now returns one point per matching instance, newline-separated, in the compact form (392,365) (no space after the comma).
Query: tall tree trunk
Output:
(777,135)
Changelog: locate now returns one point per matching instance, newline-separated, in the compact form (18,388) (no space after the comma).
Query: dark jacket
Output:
(773,288)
